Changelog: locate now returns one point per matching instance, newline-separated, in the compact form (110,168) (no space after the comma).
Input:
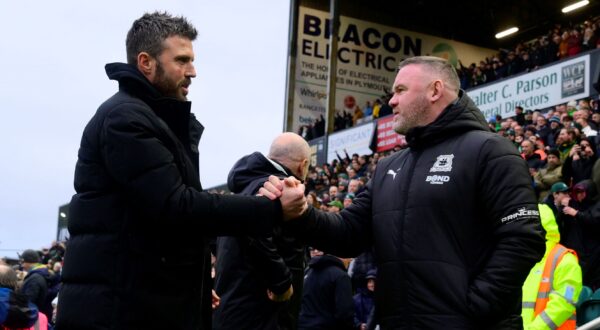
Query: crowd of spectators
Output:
(36,281)
(559,43)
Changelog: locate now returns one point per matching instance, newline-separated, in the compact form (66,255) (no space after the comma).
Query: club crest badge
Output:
(443,163)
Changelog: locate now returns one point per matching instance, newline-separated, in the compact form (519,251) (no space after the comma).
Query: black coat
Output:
(138,256)
(327,302)
(454,224)
(247,266)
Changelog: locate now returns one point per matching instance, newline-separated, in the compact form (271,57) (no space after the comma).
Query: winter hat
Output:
(30,256)
(336,203)
(555,119)
(559,187)
(371,274)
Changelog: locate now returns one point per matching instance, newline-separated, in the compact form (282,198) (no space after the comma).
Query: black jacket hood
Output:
(458,117)
(324,261)
(243,176)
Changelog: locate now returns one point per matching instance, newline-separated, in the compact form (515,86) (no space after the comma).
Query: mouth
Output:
(185,87)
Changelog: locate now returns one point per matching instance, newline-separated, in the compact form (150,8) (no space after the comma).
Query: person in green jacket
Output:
(551,290)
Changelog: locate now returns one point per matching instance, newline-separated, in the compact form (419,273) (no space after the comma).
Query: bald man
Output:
(255,275)
(452,219)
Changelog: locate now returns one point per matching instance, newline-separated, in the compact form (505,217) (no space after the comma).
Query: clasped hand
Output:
(290,192)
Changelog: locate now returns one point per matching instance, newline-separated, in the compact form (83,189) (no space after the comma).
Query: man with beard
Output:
(452,219)
(138,256)
(548,175)
(256,275)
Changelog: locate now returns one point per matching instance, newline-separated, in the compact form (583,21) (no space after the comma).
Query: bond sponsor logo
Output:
(443,163)
(437,179)
(521,214)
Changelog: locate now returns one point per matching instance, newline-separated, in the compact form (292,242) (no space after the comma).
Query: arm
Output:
(564,295)
(140,162)
(15,310)
(508,204)
(549,178)
(270,264)
(346,234)
(567,169)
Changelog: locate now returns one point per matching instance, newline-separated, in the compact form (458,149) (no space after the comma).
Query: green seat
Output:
(588,309)
(586,293)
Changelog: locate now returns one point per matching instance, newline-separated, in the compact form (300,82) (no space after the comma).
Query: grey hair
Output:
(435,65)
(149,31)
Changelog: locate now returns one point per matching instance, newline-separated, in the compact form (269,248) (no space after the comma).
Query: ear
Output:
(146,64)
(437,88)
(303,167)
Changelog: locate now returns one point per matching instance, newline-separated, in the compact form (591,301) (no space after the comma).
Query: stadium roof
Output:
(471,21)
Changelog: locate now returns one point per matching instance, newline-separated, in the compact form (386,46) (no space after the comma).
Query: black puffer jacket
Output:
(327,302)
(138,256)
(248,266)
(454,224)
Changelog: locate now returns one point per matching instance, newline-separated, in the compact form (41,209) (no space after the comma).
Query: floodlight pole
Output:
(332,76)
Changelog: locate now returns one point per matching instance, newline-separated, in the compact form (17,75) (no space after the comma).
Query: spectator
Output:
(543,130)
(549,175)
(348,199)
(555,128)
(35,286)
(580,162)
(533,159)
(368,111)
(552,288)
(565,141)
(364,302)
(335,206)
(327,299)
(16,311)
(581,228)
(376,108)
(248,268)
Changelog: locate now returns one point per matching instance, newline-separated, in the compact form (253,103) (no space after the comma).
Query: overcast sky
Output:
(53,55)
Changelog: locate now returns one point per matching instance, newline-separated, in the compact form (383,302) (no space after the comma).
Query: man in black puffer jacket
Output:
(249,267)
(138,256)
(453,218)
(327,302)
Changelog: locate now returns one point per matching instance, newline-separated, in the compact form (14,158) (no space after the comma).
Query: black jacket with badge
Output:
(247,266)
(138,255)
(454,224)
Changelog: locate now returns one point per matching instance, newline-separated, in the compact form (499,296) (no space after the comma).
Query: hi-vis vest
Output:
(554,258)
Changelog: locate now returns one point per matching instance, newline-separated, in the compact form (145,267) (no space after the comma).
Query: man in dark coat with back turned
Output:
(254,275)
(452,219)
(138,256)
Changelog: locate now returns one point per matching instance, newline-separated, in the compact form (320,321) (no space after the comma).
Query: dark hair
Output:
(149,31)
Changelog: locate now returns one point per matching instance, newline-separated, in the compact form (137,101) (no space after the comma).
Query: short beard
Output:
(413,114)
(165,86)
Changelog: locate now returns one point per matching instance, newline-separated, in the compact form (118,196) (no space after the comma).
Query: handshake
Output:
(290,192)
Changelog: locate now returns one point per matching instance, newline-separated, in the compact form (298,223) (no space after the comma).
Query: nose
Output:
(191,71)
(393,102)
